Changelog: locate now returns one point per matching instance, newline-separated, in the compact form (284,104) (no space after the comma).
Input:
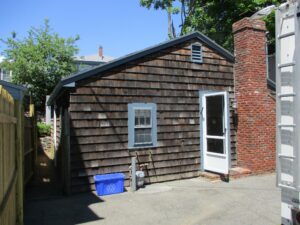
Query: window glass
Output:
(215,112)
(142,133)
(143,136)
(215,145)
(142,117)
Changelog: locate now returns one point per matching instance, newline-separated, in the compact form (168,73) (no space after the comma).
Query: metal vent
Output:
(197,53)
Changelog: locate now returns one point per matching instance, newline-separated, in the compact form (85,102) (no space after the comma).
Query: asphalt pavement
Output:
(197,201)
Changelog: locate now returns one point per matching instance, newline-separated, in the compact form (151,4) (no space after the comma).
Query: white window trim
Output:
(131,125)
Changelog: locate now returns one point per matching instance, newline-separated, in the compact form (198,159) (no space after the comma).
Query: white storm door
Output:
(216,132)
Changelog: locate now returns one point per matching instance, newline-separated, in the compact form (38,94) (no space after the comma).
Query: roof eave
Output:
(120,61)
(54,93)
(15,86)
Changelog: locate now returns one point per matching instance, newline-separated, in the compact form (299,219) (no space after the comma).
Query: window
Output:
(271,75)
(196,53)
(5,75)
(142,125)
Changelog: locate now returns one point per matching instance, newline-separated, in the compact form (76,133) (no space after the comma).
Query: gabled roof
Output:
(70,80)
(17,91)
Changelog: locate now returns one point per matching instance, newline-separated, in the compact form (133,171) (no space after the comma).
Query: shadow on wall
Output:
(62,211)
(93,147)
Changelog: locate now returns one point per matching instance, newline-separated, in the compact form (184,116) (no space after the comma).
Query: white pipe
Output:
(133,172)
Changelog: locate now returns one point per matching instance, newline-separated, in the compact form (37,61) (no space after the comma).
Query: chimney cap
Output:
(248,23)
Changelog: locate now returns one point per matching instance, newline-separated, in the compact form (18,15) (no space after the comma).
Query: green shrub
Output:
(43,129)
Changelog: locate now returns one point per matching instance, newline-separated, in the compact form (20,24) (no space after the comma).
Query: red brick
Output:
(255,107)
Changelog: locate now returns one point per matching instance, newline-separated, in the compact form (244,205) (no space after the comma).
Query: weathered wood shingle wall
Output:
(98,112)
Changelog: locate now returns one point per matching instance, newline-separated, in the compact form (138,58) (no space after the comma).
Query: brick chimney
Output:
(255,107)
(100,52)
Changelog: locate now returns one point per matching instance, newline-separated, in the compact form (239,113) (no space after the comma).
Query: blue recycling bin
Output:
(108,184)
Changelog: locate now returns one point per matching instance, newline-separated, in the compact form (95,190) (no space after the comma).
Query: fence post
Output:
(32,114)
(19,113)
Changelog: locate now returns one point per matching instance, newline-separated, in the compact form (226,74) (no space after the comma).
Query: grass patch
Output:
(43,129)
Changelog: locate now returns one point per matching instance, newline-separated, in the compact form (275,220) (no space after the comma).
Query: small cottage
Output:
(183,106)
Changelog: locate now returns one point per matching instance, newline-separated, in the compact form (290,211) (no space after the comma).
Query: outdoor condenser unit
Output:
(288,109)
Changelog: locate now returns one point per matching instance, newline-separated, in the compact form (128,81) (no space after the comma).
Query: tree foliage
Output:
(39,60)
(214,18)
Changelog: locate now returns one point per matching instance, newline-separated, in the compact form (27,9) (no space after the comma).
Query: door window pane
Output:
(215,145)
(215,115)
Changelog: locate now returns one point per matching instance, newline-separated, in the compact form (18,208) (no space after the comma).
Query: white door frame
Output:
(215,162)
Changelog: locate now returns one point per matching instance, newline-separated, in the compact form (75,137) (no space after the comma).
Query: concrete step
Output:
(238,172)
(234,173)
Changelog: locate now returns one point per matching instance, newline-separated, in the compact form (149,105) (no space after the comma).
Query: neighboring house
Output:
(89,61)
(4,74)
(82,63)
(18,92)
(181,107)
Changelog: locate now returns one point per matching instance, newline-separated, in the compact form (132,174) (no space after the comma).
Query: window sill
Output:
(198,62)
(137,147)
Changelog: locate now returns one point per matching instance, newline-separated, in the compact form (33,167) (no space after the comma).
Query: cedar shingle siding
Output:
(99,119)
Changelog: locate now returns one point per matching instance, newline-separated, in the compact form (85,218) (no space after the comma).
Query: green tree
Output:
(164,5)
(39,60)
(214,18)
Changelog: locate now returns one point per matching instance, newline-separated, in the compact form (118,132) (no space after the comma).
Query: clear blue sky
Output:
(120,26)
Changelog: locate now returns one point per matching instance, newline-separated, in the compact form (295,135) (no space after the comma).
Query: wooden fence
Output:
(12,157)
(8,166)
(29,147)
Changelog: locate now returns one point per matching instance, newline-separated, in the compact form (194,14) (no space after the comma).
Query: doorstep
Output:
(234,173)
